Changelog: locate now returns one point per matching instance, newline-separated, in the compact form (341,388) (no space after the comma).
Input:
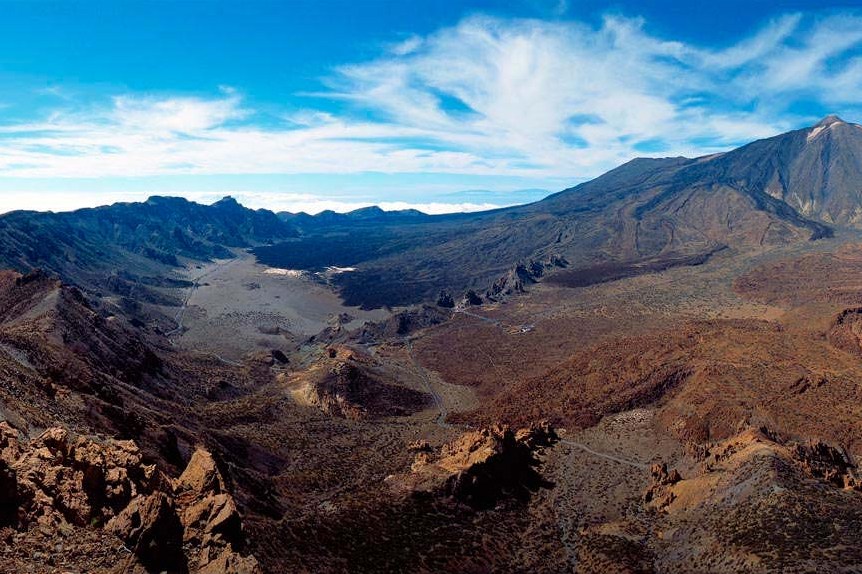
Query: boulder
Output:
(201,477)
(151,529)
(211,523)
(445,300)
(60,481)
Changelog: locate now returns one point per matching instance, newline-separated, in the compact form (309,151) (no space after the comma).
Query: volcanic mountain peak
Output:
(828,121)
(826,124)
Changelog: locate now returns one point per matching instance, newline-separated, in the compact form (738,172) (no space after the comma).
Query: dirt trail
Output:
(600,473)
(426,380)
(178,318)
(605,455)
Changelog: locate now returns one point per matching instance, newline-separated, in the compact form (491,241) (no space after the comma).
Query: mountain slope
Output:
(646,214)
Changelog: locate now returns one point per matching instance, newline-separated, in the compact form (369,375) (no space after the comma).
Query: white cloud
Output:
(488,97)
(181,115)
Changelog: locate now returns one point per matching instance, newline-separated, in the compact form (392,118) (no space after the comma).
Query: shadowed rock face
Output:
(815,170)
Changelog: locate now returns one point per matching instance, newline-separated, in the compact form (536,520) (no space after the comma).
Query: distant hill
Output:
(648,214)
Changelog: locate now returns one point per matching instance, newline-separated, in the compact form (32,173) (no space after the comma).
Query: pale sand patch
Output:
(285,272)
(241,306)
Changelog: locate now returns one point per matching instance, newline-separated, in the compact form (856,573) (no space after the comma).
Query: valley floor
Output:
(240,306)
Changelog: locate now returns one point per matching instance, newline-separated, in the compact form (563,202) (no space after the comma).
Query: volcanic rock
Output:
(61,481)
(658,495)
(523,274)
(471,298)
(480,468)
(445,300)
(828,463)
(210,520)
(350,383)
(152,531)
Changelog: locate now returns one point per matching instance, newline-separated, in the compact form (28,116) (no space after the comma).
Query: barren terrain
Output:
(240,306)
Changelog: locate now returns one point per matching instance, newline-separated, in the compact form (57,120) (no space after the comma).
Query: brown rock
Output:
(200,477)
(151,528)
(480,468)
(659,494)
(827,463)
(211,523)
(228,562)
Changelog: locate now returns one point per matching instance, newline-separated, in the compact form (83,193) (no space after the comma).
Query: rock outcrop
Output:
(60,482)
(471,299)
(351,384)
(659,495)
(828,463)
(445,300)
(211,523)
(522,275)
(480,468)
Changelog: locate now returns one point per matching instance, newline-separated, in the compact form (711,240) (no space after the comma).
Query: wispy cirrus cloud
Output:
(523,98)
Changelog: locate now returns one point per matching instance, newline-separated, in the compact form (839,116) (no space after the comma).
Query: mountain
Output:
(371,214)
(139,240)
(646,214)
(814,170)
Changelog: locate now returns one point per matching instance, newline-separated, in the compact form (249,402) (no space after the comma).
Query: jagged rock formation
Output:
(522,275)
(828,463)
(471,299)
(445,300)
(753,496)
(658,495)
(61,482)
(405,322)
(480,468)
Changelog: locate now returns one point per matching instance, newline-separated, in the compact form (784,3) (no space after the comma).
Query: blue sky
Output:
(431,104)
